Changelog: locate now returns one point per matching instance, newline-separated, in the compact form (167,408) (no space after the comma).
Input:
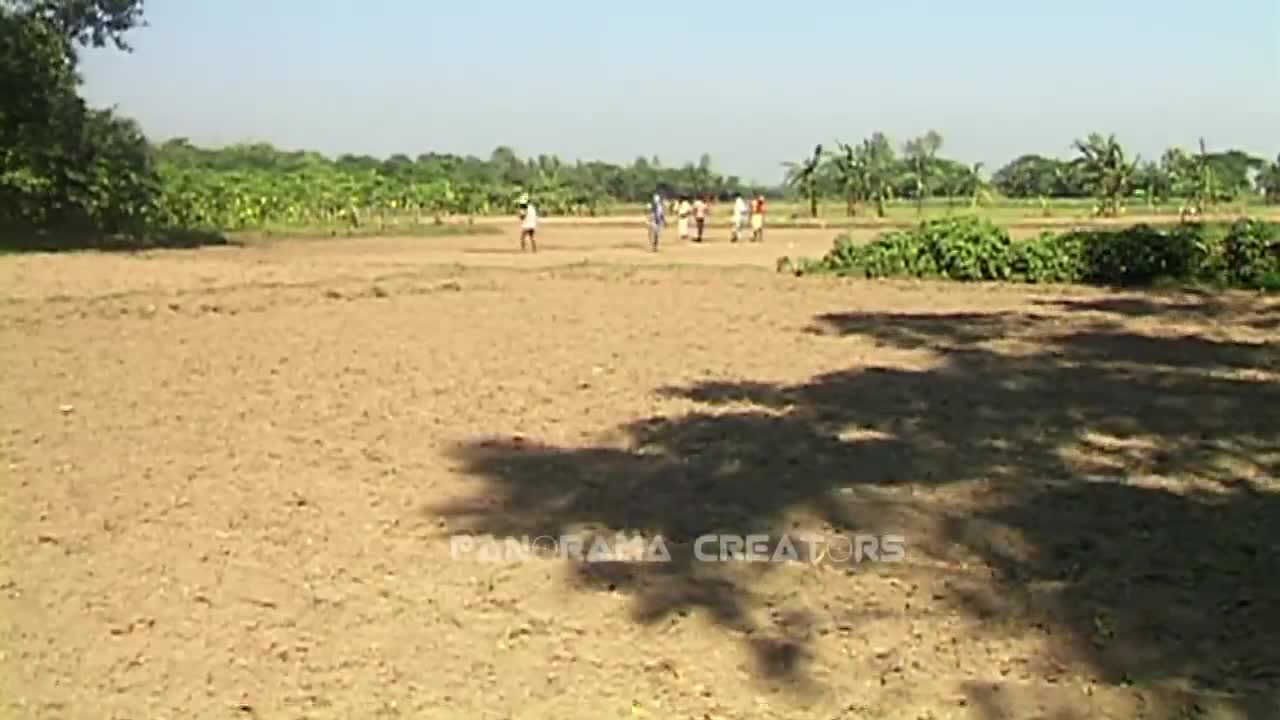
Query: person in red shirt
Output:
(757,219)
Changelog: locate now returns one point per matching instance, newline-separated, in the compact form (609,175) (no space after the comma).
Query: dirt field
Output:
(233,475)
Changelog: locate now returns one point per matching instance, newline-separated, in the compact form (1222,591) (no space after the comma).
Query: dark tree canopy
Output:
(87,22)
(63,165)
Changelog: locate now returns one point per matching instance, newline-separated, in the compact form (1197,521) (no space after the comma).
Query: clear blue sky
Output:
(751,83)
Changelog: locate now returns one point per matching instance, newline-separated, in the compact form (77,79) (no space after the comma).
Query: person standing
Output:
(739,217)
(683,211)
(757,219)
(699,218)
(528,224)
(657,221)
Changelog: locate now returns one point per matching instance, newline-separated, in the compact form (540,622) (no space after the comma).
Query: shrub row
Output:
(1243,254)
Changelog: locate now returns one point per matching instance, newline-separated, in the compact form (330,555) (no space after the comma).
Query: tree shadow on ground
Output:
(17,240)
(1121,487)
(1237,308)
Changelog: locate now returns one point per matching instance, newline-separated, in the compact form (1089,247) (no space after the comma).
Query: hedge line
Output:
(1243,254)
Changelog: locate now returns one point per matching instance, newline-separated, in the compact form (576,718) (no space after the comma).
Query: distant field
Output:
(832,215)
(1022,213)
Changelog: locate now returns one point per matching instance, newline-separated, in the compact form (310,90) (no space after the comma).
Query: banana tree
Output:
(1106,171)
(877,165)
(550,186)
(804,175)
(919,154)
(851,173)
(1153,183)
(1206,179)
(1191,179)
(977,188)
(1268,181)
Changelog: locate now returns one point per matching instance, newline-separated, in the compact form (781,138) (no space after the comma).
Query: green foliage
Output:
(1033,176)
(246,187)
(1136,255)
(1246,254)
(962,248)
(968,248)
(1243,254)
(1101,170)
(865,173)
(65,167)
(1268,180)
(316,196)
(1049,258)
(804,175)
(1106,172)
(86,22)
(894,254)
(922,167)
(1252,253)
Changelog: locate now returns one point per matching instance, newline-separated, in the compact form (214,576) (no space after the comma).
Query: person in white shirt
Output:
(657,221)
(683,211)
(528,224)
(739,217)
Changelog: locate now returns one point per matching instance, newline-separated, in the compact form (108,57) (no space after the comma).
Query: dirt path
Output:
(232,477)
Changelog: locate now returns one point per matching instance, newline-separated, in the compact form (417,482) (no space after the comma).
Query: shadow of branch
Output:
(1121,487)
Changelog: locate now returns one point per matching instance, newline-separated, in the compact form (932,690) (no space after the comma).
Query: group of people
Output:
(698,211)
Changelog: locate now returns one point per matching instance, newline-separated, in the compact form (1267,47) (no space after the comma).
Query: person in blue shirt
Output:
(657,221)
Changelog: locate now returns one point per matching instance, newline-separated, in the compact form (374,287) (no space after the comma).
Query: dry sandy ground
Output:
(232,476)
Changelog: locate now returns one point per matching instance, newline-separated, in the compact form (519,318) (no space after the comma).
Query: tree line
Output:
(874,172)
(245,184)
(64,165)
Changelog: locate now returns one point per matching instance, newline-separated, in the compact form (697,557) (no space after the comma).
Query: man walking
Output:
(699,218)
(683,211)
(739,217)
(757,219)
(657,221)
(528,224)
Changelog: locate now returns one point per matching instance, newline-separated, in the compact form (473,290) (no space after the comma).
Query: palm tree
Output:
(804,174)
(1106,171)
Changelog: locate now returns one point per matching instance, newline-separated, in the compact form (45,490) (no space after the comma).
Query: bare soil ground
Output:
(232,475)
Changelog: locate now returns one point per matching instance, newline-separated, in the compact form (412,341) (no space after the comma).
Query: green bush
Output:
(894,254)
(957,248)
(1137,255)
(968,248)
(1049,258)
(1210,252)
(1252,253)
(1246,254)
